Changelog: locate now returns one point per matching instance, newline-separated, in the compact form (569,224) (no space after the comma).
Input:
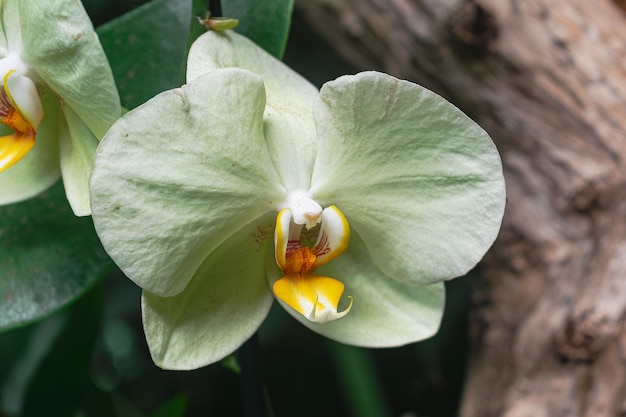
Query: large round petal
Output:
(416,178)
(178,175)
(223,305)
(289,125)
(60,44)
(385,312)
(39,169)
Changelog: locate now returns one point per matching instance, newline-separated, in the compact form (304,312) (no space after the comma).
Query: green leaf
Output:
(48,257)
(265,22)
(175,407)
(22,351)
(46,365)
(146,48)
(62,379)
(196,29)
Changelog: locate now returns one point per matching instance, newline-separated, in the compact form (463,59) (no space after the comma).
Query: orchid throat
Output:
(315,297)
(20,110)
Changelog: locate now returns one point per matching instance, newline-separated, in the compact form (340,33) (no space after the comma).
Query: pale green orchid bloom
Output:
(379,185)
(58,98)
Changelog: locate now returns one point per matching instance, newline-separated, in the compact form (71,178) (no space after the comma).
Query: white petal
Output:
(334,236)
(24,97)
(60,44)
(178,175)
(77,144)
(289,125)
(10,39)
(223,305)
(282,236)
(417,179)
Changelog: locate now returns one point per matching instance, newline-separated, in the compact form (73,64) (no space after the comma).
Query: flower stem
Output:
(360,381)
(251,381)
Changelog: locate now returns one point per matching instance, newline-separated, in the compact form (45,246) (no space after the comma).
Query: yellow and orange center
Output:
(16,90)
(314,296)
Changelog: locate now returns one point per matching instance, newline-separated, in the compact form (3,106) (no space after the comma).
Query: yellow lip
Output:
(315,297)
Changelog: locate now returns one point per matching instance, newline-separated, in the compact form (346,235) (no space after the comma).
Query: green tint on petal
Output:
(418,180)
(289,125)
(77,146)
(39,169)
(290,139)
(223,305)
(4,50)
(227,49)
(385,312)
(10,39)
(178,175)
(60,44)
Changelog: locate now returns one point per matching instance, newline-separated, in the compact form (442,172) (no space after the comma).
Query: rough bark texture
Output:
(546,79)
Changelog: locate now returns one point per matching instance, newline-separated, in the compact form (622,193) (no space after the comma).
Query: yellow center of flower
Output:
(315,297)
(20,110)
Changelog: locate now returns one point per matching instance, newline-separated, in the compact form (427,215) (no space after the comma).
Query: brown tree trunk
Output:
(547,80)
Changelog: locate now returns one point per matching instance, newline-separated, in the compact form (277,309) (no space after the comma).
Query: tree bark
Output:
(546,79)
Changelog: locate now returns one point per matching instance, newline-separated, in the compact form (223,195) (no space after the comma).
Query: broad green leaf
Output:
(62,379)
(223,305)
(46,365)
(48,257)
(418,180)
(385,312)
(22,351)
(265,22)
(178,175)
(174,407)
(146,48)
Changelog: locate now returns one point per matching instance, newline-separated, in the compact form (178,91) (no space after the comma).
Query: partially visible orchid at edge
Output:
(58,98)
(350,205)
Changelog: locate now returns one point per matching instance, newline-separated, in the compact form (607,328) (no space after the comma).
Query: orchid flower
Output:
(57,99)
(350,205)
